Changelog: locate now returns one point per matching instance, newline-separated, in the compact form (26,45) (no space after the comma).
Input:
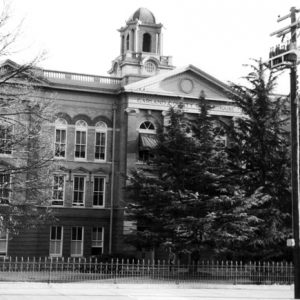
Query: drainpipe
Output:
(112,182)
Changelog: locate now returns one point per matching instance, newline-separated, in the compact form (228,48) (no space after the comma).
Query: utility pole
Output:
(287,56)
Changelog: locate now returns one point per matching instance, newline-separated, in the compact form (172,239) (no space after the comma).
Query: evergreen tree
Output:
(259,156)
(183,197)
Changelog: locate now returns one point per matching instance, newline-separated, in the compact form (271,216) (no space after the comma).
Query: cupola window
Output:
(127,42)
(147,42)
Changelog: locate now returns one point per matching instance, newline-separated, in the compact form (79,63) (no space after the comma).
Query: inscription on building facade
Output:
(190,106)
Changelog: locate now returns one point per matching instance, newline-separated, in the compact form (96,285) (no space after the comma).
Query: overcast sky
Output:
(217,36)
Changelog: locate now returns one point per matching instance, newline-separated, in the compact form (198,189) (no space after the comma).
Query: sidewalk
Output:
(92,291)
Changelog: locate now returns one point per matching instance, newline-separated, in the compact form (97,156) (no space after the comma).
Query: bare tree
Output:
(25,155)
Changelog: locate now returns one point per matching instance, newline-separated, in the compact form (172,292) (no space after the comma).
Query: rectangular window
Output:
(100,145)
(60,143)
(58,190)
(3,243)
(99,190)
(56,238)
(5,139)
(80,144)
(77,241)
(4,188)
(78,191)
(221,142)
(97,240)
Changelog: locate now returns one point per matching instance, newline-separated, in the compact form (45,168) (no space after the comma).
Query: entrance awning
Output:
(148,141)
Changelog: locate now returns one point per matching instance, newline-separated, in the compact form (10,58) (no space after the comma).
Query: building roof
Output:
(144,15)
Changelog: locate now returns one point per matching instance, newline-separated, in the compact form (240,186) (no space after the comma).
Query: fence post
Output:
(116,270)
(178,268)
(50,269)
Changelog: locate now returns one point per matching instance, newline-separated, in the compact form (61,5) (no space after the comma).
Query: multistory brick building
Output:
(105,126)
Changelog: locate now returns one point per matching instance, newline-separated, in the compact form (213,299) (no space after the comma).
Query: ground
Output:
(100,291)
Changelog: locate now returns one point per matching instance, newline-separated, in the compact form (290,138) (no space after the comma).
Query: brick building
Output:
(105,127)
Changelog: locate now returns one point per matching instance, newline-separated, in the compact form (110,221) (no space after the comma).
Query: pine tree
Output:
(259,156)
(158,193)
(183,198)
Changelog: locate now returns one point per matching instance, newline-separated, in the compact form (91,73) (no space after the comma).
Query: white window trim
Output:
(81,129)
(61,244)
(84,190)
(82,241)
(149,131)
(64,190)
(102,239)
(105,153)
(104,191)
(66,142)
(6,248)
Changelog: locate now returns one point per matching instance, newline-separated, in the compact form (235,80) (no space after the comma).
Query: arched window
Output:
(60,138)
(146,42)
(100,141)
(127,42)
(80,139)
(122,44)
(147,141)
(147,125)
(132,39)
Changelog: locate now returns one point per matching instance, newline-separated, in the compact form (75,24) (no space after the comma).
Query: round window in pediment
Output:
(186,85)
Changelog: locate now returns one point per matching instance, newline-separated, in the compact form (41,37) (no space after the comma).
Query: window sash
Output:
(4,188)
(60,142)
(100,145)
(80,144)
(97,237)
(78,191)
(3,243)
(77,241)
(58,190)
(56,240)
(99,190)
(5,140)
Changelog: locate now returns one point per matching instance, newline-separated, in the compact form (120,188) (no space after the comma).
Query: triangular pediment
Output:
(10,71)
(186,82)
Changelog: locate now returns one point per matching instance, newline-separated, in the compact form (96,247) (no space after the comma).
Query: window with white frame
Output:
(60,138)
(97,240)
(4,188)
(77,241)
(80,139)
(78,190)
(99,191)
(56,240)
(6,138)
(58,190)
(100,141)
(3,242)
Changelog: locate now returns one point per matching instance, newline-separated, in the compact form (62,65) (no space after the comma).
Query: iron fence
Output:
(142,271)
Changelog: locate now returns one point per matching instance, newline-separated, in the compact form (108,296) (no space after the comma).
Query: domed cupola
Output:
(144,15)
(141,48)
